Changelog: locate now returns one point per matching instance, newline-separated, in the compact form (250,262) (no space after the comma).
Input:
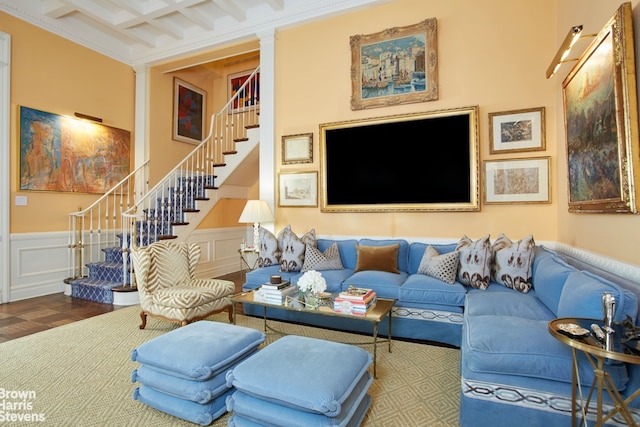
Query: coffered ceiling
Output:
(147,31)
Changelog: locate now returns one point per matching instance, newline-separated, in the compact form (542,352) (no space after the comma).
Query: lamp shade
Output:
(256,211)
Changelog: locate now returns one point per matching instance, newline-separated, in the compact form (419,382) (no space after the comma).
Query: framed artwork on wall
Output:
(297,149)
(249,97)
(189,105)
(298,189)
(396,66)
(601,122)
(517,130)
(517,181)
(60,153)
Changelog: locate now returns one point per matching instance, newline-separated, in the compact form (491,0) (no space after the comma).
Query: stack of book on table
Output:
(355,301)
(275,293)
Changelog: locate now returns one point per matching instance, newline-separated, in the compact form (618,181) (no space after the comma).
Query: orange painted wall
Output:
(489,56)
(55,75)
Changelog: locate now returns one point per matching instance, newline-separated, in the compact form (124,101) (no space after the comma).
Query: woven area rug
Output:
(80,375)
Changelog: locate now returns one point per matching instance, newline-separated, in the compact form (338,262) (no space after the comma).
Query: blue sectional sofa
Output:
(511,367)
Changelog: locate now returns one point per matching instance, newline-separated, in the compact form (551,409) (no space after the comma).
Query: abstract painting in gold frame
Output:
(601,122)
(395,66)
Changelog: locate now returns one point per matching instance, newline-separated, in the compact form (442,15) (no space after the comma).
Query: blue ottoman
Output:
(302,381)
(183,372)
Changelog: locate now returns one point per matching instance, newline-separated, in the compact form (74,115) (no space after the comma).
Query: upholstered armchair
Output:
(167,288)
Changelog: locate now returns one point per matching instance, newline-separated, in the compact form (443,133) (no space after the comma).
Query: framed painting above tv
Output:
(410,162)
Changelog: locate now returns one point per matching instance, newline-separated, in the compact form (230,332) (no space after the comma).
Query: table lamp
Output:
(256,211)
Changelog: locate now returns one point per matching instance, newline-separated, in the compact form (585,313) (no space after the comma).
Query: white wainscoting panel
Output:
(39,261)
(38,264)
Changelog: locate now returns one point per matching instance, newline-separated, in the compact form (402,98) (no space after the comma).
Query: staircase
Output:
(100,237)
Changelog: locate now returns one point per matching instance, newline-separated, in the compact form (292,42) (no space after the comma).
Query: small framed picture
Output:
(249,96)
(517,130)
(189,105)
(298,189)
(297,149)
(517,181)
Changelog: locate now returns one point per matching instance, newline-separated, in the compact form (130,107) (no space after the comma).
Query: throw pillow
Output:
(327,260)
(291,250)
(443,267)
(381,258)
(268,249)
(512,262)
(475,262)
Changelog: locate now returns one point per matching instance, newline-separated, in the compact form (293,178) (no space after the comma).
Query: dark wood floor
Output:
(21,318)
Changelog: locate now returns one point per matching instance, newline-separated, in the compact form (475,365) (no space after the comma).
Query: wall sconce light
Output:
(87,117)
(572,37)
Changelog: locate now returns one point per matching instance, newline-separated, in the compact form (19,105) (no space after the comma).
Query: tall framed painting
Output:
(60,153)
(601,122)
(396,66)
(189,107)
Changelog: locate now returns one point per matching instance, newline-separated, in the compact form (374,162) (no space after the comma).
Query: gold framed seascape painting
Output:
(601,122)
(395,66)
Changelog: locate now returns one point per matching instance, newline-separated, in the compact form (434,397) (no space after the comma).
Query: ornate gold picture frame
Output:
(517,131)
(601,122)
(297,149)
(395,66)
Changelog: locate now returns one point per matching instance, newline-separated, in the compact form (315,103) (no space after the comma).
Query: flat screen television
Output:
(412,162)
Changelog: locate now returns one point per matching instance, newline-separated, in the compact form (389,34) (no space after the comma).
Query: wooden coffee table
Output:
(374,315)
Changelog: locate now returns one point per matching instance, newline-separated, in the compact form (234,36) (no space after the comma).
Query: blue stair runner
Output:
(157,224)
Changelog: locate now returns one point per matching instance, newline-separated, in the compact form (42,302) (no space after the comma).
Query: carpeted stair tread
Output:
(93,289)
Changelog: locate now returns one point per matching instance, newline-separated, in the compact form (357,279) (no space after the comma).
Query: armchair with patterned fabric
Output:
(168,288)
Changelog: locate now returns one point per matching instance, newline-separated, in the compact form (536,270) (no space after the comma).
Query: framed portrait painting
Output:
(396,66)
(189,105)
(517,181)
(601,122)
(517,130)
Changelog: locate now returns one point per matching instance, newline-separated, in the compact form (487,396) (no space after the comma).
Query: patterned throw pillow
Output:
(292,248)
(268,249)
(475,262)
(443,267)
(327,260)
(512,262)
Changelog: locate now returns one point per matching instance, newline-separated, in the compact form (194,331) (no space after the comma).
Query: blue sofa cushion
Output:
(507,303)
(184,409)
(509,345)
(550,273)
(440,266)
(347,249)
(403,251)
(266,412)
(416,252)
(429,290)
(318,376)
(582,297)
(475,262)
(199,350)
(386,285)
